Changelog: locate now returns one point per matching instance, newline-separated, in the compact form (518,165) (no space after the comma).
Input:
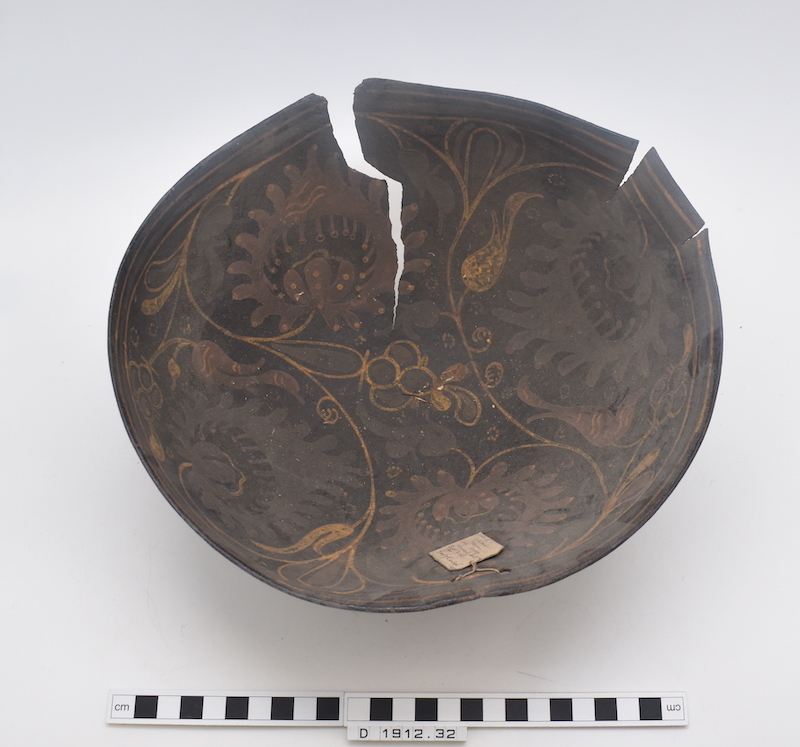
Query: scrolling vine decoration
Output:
(547,379)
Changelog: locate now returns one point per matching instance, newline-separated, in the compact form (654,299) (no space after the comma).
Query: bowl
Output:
(537,375)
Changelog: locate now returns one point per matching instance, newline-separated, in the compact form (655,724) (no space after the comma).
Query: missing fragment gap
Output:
(395,190)
(637,157)
(343,125)
(640,153)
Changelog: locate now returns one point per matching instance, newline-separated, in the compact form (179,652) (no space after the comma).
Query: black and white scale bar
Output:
(227,709)
(365,713)
(516,710)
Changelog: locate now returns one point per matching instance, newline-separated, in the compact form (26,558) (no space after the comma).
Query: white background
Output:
(105,105)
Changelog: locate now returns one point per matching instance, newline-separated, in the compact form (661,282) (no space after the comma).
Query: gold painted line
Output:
(260,138)
(647,207)
(199,518)
(521,108)
(383,117)
(141,244)
(669,197)
(241,175)
(678,465)
(393,129)
(673,468)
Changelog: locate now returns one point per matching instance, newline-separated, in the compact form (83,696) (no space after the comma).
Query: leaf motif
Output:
(423,176)
(456,372)
(430,439)
(152,306)
(212,362)
(337,573)
(319,538)
(643,465)
(482,269)
(440,401)
(635,483)
(281,379)
(468,406)
(174,371)
(157,448)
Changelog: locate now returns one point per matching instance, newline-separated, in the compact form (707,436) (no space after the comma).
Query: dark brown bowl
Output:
(547,378)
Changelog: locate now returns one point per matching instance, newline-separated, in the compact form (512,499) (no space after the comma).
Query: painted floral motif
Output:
(427,438)
(240,462)
(600,275)
(600,426)
(432,513)
(668,396)
(541,369)
(325,247)
(400,377)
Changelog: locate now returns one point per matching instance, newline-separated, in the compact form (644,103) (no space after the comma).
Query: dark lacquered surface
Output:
(549,377)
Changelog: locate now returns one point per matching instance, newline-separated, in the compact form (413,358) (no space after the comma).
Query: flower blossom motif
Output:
(401,377)
(302,258)
(318,289)
(443,511)
(463,503)
(232,459)
(596,301)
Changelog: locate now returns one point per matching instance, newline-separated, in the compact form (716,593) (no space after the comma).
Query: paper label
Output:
(465,552)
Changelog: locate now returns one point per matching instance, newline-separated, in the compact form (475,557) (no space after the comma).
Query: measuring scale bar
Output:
(227,708)
(515,709)
(399,716)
